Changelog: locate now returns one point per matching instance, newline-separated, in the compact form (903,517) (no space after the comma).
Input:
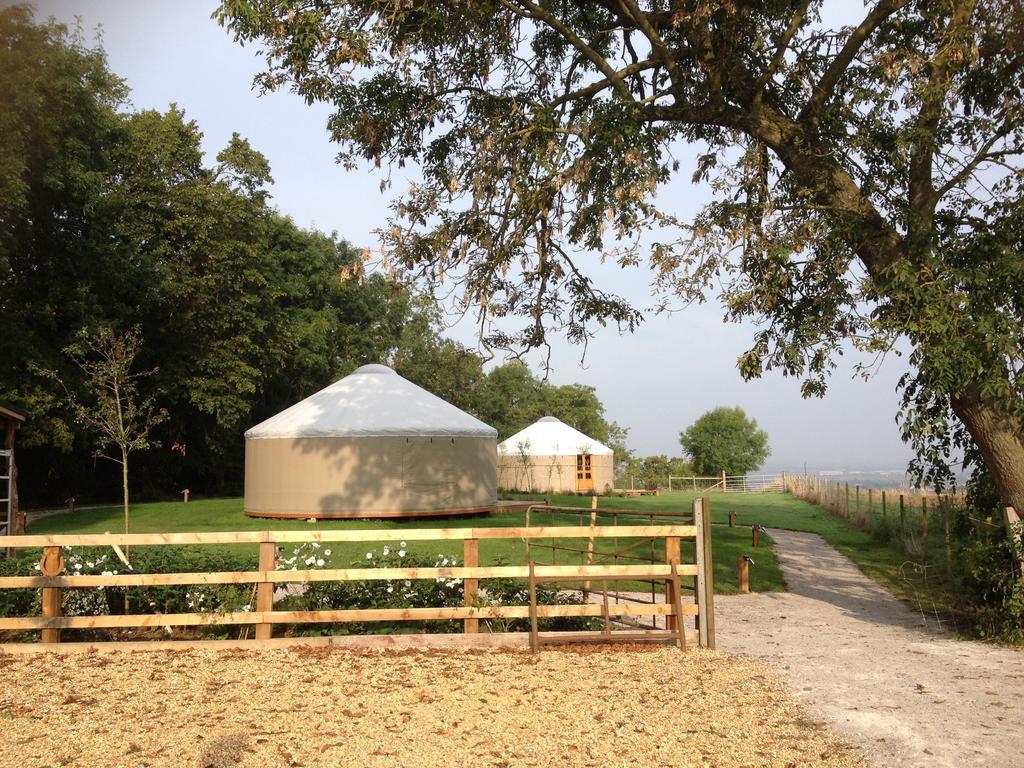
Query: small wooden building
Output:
(11,519)
(552,457)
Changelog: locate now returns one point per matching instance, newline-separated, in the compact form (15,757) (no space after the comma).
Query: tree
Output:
(868,178)
(725,440)
(116,414)
(654,471)
(112,217)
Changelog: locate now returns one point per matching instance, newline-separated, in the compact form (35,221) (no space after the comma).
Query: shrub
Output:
(991,588)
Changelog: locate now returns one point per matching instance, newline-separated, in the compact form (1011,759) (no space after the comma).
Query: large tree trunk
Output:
(1000,437)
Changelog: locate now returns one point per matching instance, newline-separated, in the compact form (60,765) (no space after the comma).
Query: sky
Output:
(655,382)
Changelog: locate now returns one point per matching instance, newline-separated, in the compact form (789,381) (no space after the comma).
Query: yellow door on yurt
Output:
(584,475)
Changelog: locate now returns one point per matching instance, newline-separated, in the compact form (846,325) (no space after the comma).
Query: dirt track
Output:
(604,707)
(864,662)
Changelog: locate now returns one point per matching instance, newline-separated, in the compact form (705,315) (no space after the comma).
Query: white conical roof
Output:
(550,437)
(372,401)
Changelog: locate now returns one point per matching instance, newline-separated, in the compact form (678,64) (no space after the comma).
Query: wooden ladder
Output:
(6,500)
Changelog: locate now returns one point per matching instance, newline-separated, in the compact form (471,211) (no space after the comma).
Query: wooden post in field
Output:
(265,589)
(590,544)
(884,519)
(755,536)
(671,598)
(51,564)
(847,501)
(903,522)
(470,559)
(705,573)
(947,524)
(534,638)
(184,493)
(732,518)
(743,565)
(1012,521)
(924,526)
(871,503)
(856,494)
(725,483)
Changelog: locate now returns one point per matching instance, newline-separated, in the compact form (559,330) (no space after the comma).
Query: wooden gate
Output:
(53,581)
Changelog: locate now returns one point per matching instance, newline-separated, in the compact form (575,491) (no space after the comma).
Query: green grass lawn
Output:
(227,515)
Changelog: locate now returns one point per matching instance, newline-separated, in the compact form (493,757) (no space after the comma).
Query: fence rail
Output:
(53,581)
(724,483)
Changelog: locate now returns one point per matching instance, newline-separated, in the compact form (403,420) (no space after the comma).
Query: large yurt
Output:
(549,456)
(370,445)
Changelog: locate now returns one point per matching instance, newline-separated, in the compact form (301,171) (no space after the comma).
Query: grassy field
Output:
(226,515)
(883,561)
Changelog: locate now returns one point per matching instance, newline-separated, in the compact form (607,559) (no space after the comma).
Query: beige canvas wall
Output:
(551,474)
(369,476)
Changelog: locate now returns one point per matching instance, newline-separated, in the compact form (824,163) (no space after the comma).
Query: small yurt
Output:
(549,456)
(370,445)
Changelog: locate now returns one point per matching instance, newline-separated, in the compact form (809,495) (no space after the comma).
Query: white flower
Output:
(88,564)
(369,555)
(391,589)
(445,561)
(319,563)
(310,560)
(401,544)
(327,553)
(401,553)
(387,551)
(78,566)
(316,545)
(408,583)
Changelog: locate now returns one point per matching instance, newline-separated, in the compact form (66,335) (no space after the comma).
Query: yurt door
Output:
(584,476)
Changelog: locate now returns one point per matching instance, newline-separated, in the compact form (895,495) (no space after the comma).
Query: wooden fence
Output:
(724,483)
(53,580)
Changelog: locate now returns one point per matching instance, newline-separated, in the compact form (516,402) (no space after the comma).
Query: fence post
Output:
(884,516)
(470,559)
(903,524)
(1012,522)
(265,589)
(725,483)
(847,501)
(732,518)
(705,573)
(51,564)
(755,535)
(534,636)
(743,567)
(924,525)
(947,524)
(590,544)
(671,598)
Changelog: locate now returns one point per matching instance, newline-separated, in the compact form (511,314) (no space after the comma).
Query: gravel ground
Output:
(306,707)
(909,694)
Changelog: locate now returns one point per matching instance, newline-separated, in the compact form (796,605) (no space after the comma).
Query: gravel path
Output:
(589,708)
(866,663)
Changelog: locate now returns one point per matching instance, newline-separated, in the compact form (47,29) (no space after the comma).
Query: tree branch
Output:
(920,189)
(780,51)
(538,13)
(812,110)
